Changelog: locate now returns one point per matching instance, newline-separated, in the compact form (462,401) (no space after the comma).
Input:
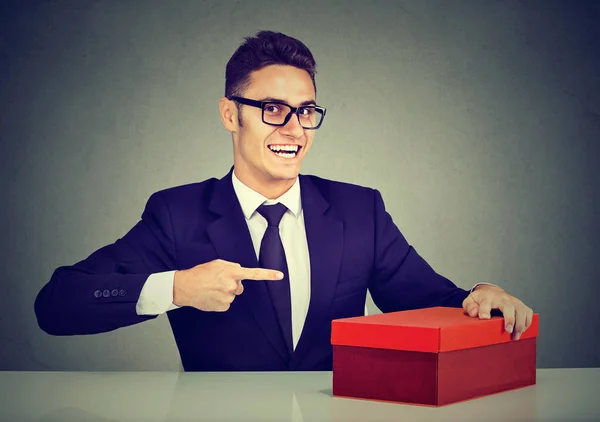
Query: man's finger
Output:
(520,321)
(470,307)
(508,311)
(257,274)
(528,318)
(485,309)
(240,289)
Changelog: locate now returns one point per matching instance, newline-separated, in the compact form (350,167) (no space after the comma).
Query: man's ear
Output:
(229,114)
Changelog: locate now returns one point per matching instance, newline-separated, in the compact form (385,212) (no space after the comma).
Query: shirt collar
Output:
(250,200)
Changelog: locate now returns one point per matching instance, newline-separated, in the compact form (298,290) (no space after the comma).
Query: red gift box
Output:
(431,356)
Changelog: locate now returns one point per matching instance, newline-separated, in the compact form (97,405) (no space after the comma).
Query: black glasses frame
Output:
(293,110)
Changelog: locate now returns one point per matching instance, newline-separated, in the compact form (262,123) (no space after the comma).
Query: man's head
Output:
(266,69)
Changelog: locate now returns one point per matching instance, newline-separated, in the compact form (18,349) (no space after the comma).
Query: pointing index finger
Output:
(258,274)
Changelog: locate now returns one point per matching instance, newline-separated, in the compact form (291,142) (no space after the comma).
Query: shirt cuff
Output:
(156,296)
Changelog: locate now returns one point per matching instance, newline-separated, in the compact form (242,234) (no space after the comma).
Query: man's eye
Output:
(272,109)
(306,111)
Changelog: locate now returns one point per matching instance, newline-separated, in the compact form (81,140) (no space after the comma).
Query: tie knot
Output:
(272,213)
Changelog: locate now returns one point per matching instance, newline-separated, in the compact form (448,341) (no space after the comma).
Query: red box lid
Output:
(434,330)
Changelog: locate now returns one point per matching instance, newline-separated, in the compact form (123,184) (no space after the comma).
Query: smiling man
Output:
(252,268)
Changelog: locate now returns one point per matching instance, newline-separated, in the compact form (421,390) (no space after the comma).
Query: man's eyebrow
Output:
(303,103)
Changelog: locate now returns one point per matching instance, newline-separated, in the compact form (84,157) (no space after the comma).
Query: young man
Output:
(252,268)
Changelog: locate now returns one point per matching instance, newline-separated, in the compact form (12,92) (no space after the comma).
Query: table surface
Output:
(559,395)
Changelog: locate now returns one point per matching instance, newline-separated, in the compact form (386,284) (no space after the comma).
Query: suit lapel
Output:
(230,236)
(325,244)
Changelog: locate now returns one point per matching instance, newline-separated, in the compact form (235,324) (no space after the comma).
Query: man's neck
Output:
(269,189)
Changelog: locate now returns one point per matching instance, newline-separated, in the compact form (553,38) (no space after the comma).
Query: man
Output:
(252,268)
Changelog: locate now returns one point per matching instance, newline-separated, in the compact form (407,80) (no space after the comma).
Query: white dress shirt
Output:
(156,296)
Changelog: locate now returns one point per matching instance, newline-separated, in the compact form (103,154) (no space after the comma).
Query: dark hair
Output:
(264,49)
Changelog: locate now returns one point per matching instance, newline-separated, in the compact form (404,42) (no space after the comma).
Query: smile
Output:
(285,151)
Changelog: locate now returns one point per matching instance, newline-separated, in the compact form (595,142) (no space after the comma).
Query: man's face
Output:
(255,160)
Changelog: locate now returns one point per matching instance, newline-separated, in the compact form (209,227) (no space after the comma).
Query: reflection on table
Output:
(560,394)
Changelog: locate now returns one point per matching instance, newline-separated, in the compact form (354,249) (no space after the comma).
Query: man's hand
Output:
(212,286)
(481,301)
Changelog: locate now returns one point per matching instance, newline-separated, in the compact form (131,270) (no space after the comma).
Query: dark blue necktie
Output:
(272,256)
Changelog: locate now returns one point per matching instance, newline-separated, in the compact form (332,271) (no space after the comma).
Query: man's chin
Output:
(285,175)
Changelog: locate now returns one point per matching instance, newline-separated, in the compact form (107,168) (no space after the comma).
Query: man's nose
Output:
(293,127)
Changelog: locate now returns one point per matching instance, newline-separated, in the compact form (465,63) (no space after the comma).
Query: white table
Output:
(560,395)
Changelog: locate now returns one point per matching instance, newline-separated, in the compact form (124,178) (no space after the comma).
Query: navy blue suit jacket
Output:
(353,244)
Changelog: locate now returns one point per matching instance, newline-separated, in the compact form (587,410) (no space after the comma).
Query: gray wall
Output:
(478,121)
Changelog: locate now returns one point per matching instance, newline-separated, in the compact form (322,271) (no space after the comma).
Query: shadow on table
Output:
(515,405)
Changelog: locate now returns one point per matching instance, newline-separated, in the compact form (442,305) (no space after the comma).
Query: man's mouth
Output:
(285,151)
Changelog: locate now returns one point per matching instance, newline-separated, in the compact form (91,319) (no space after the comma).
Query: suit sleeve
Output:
(100,293)
(402,279)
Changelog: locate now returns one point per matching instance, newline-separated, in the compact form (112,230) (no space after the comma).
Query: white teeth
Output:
(275,148)
(286,155)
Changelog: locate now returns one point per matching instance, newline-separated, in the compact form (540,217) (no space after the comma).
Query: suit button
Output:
(106,293)
(97,293)
(122,292)
(114,292)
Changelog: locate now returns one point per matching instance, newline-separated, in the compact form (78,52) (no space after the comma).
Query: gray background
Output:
(478,121)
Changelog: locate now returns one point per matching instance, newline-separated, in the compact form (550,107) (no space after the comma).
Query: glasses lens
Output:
(309,117)
(275,114)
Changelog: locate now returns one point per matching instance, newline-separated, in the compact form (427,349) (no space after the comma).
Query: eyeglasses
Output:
(278,113)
